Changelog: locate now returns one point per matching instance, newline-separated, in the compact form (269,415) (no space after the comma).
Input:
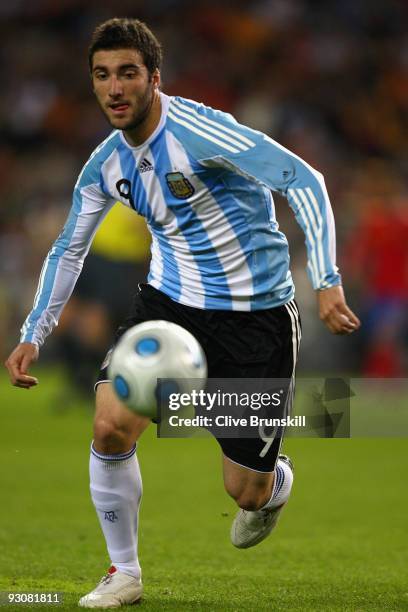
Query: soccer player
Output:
(219,268)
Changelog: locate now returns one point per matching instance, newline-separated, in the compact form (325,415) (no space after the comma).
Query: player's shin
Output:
(116,490)
(250,528)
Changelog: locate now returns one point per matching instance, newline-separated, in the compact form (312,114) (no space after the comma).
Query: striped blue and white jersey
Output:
(203,182)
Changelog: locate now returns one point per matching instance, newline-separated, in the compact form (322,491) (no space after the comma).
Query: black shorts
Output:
(256,344)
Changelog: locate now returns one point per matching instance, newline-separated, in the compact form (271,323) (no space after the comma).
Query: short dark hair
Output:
(124,33)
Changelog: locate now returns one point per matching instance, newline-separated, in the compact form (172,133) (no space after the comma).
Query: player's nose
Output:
(115,87)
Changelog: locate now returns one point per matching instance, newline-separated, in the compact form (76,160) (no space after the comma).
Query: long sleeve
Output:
(64,261)
(224,142)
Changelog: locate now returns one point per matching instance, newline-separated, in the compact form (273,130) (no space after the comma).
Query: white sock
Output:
(282,485)
(116,491)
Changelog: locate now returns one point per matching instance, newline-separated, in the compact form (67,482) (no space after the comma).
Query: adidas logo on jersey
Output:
(145,165)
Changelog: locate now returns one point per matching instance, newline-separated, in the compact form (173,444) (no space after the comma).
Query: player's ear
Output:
(92,81)
(156,79)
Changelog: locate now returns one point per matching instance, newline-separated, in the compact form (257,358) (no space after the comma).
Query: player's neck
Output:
(141,133)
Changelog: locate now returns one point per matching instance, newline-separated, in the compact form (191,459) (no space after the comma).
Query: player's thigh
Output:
(112,416)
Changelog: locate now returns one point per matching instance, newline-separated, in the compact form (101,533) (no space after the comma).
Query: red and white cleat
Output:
(114,590)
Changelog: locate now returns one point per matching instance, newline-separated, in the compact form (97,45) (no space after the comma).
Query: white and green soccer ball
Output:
(156,350)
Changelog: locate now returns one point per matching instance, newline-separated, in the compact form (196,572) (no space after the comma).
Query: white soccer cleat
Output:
(250,528)
(114,590)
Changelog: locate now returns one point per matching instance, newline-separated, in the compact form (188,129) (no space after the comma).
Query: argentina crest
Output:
(179,185)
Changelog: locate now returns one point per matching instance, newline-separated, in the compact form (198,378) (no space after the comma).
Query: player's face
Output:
(123,86)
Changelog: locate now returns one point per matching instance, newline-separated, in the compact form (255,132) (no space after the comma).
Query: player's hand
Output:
(19,362)
(334,311)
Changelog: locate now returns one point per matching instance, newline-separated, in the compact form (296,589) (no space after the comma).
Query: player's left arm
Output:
(334,312)
(306,192)
(259,158)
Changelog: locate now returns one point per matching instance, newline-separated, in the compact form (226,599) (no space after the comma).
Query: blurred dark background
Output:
(329,80)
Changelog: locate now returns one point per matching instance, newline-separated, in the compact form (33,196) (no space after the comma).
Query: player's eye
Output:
(100,76)
(130,74)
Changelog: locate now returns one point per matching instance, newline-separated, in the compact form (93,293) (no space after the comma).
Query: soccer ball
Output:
(152,350)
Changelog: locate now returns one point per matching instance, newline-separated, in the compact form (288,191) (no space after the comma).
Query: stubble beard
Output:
(145,102)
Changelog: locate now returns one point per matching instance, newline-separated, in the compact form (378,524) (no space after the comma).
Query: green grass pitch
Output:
(341,543)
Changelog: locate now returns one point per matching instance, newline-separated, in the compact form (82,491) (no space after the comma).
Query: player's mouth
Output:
(119,108)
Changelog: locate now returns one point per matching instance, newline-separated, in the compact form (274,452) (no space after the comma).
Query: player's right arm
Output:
(19,362)
(60,270)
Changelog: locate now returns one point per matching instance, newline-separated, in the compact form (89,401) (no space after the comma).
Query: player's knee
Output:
(108,437)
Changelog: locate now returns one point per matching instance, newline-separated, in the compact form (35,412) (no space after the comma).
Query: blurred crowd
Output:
(328,79)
